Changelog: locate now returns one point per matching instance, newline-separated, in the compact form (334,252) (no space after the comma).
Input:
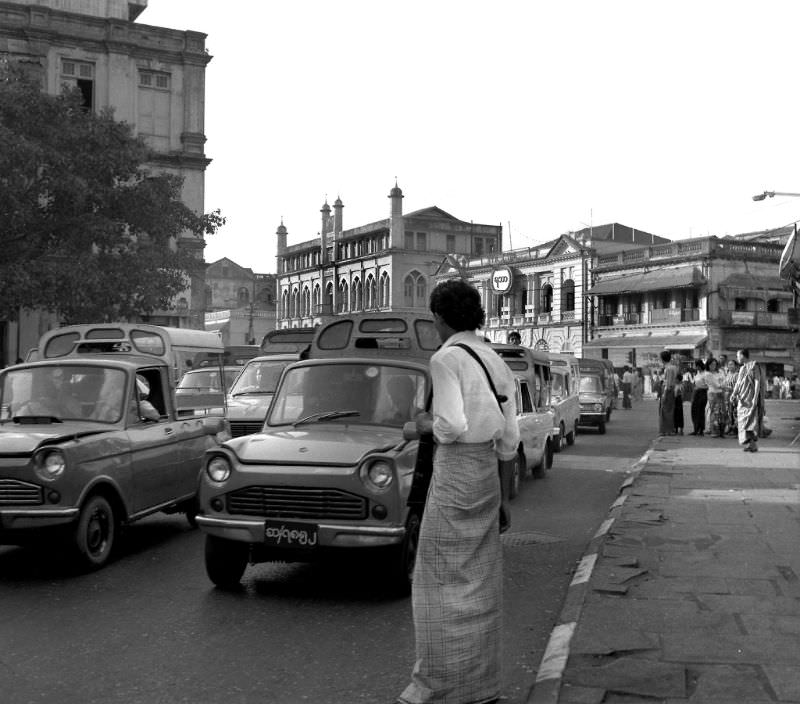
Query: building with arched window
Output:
(537,291)
(384,265)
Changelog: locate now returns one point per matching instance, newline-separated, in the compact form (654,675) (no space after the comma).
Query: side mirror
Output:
(410,431)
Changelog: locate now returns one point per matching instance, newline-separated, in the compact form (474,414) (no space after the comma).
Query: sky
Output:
(544,117)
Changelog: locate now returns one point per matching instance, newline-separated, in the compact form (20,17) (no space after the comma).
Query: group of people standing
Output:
(725,400)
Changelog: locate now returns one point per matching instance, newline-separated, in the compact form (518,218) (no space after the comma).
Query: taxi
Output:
(331,469)
(92,437)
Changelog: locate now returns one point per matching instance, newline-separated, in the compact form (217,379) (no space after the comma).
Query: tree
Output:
(87,231)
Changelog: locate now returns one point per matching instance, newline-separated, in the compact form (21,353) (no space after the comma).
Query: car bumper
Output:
(32,519)
(593,418)
(332,535)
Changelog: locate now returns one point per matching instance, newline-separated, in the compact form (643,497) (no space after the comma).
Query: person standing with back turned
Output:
(458,575)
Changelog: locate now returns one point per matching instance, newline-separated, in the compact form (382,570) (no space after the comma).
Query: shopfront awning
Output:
(655,280)
(660,342)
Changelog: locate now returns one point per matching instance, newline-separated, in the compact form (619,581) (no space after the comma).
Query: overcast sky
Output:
(543,117)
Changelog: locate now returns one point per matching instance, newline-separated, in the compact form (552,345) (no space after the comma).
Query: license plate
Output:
(290,534)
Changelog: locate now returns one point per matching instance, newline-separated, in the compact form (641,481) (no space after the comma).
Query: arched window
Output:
(357,299)
(568,295)
(343,297)
(329,296)
(371,291)
(306,301)
(384,292)
(547,298)
(295,303)
(243,296)
(285,304)
(415,290)
(317,301)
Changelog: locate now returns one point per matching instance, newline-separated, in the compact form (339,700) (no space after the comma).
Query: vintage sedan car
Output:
(252,391)
(595,401)
(90,442)
(331,469)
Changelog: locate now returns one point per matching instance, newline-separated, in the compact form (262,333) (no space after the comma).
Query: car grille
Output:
(239,428)
(297,502)
(16,493)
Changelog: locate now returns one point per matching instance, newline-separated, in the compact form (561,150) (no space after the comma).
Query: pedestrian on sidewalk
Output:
(667,401)
(627,381)
(748,394)
(456,592)
(715,407)
(699,398)
(731,372)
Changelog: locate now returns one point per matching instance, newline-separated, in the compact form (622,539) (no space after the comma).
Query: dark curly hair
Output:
(459,305)
(666,356)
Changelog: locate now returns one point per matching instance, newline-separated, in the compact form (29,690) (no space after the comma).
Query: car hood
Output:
(18,438)
(249,406)
(592,398)
(331,444)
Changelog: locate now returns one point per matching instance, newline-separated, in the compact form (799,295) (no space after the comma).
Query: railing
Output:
(750,318)
(518,320)
(567,315)
(674,315)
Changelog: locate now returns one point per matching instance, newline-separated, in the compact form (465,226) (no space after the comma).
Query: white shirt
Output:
(464,409)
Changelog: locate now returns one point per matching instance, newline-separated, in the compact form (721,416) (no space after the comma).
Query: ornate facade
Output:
(384,265)
(153,77)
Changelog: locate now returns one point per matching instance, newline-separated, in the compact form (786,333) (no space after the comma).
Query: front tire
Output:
(571,435)
(561,442)
(601,428)
(226,561)
(540,470)
(95,533)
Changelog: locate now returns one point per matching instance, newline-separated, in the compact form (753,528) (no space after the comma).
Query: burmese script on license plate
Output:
(290,534)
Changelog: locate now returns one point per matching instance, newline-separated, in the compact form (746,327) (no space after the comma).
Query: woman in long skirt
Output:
(748,394)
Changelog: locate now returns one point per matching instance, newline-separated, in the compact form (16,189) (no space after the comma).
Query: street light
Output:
(772,194)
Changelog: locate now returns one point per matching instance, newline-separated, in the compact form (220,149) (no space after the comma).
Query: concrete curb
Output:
(547,687)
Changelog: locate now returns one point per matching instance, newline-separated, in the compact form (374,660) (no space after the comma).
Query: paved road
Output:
(151,628)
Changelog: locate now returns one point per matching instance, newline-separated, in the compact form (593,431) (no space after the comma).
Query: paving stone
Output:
(669,588)
(785,681)
(621,640)
(574,694)
(772,623)
(701,564)
(633,676)
(747,604)
(725,684)
(732,649)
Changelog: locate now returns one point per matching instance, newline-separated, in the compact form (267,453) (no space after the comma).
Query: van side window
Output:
(525,397)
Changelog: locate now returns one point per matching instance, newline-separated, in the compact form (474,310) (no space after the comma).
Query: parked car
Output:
(331,469)
(564,398)
(534,413)
(95,439)
(596,394)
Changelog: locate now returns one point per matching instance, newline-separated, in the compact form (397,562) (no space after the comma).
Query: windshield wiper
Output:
(254,391)
(328,415)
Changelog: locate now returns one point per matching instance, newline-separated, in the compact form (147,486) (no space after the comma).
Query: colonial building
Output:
(153,77)
(240,304)
(705,294)
(383,265)
(538,291)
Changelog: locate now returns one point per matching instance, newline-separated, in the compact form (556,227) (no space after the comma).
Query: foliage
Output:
(87,230)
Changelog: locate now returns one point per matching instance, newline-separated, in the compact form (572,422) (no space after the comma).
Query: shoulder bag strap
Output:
(501,398)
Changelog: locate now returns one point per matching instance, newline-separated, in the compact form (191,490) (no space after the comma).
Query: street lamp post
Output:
(772,194)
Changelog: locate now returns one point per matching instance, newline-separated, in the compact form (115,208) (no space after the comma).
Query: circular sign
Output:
(502,279)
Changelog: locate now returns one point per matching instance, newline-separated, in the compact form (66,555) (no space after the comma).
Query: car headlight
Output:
(218,468)
(50,464)
(598,406)
(379,475)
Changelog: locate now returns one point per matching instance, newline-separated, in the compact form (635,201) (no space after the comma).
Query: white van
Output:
(564,398)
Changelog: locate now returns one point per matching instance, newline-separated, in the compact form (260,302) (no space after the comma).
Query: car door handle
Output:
(168,431)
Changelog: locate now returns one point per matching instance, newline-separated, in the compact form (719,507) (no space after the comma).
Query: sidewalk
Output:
(690,590)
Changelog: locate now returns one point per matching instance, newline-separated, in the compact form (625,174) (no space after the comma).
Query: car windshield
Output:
(63,392)
(366,392)
(591,384)
(259,377)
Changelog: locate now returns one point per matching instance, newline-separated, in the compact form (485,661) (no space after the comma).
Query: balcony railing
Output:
(674,315)
(567,315)
(750,318)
